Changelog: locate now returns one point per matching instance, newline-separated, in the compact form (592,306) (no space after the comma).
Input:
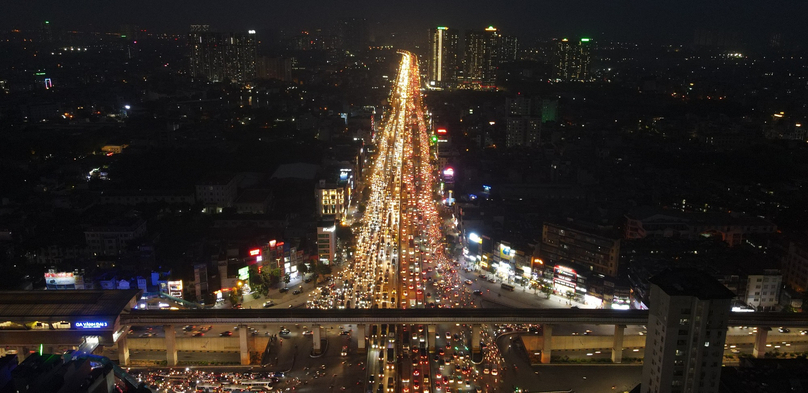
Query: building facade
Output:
(687,327)
(217,191)
(443,43)
(597,250)
(573,59)
(114,237)
(222,57)
(732,228)
(763,289)
(326,242)
(523,121)
(795,266)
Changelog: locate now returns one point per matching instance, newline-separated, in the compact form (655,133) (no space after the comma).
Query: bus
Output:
(391,358)
(507,287)
(406,344)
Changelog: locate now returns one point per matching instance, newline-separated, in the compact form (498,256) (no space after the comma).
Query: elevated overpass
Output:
(427,316)
(59,319)
(432,316)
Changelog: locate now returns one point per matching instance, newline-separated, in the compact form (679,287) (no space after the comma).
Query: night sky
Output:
(623,19)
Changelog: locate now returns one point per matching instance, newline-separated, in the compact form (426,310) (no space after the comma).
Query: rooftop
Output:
(254,196)
(691,282)
(298,170)
(217,179)
(57,304)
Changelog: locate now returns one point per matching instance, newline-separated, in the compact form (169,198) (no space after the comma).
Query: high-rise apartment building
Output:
(443,43)
(523,121)
(485,51)
(687,327)
(572,59)
(480,59)
(222,57)
(508,49)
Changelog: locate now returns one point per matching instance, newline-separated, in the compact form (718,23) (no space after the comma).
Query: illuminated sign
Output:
(255,252)
(443,28)
(175,288)
(491,28)
(448,172)
(60,278)
(475,238)
(272,243)
(91,325)
(330,229)
(441,131)
(584,39)
(244,273)
(251,31)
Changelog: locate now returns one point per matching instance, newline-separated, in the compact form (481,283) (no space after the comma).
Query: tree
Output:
(324,269)
(546,290)
(302,268)
(286,279)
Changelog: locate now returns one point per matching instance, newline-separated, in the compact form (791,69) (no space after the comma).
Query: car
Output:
(785,330)
(486,370)
(237,306)
(416,372)
(284,331)
(307,280)
(469,282)
(308,332)
(494,372)
(803,332)
(296,292)
(345,333)
(226,333)
(147,334)
(284,289)
(344,351)
(269,304)
(199,334)
(478,292)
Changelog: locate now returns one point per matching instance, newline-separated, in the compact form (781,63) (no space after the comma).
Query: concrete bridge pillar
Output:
(431,331)
(171,344)
(759,351)
(475,338)
(243,347)
(317,339)
(123,351)
(547,344)
(22,353)
(360,338)
(617,345)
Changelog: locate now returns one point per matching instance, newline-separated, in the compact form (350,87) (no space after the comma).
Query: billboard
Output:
(175,288)
(60,279)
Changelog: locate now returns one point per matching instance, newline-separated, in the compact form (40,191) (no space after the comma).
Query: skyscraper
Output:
(443,58)
(480,59)
(485,51)
(573,59)
(687,327)
(222,57)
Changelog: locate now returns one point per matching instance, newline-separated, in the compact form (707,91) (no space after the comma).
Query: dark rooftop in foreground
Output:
(691,282)
(74,303)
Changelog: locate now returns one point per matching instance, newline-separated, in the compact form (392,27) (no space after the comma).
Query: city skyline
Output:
(617,20)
